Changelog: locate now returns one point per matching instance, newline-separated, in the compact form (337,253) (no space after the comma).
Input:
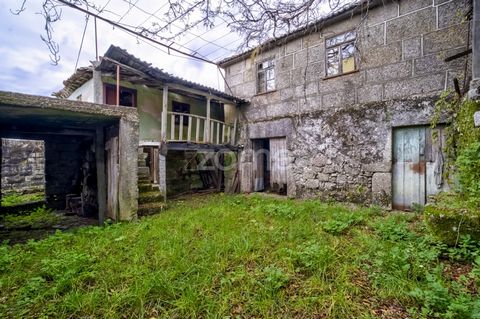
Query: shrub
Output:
(468,173)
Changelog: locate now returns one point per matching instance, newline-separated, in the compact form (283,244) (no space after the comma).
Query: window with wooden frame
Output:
(128,97)
(266,76)
(178,107)
(340,54)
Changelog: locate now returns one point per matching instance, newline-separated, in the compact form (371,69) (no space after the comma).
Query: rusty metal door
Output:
(417,165)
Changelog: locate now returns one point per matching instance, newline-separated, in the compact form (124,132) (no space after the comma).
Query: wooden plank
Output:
(278,162)
(212,128)
(218,133)
(223,133)
(197,131)
(172,127)
(189,129)
(180,129)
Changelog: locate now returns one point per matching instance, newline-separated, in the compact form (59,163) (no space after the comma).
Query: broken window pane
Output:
(348,36)
(333,62)
(266,76)
(348,59)
(340,54)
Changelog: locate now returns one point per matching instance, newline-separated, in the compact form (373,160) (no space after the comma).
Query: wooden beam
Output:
(101,178)
(201,93)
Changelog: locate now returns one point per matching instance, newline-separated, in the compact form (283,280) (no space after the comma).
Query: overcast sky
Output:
(24,59)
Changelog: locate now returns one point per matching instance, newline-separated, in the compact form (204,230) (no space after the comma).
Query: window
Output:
(266,76)
(178,107)
(340,54)
(128,97)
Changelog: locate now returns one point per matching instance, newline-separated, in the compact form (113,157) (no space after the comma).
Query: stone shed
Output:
(347,101)
(90,150)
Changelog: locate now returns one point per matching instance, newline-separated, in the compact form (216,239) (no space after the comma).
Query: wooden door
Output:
(112,177)
(278,164)
(418,165)
(408,167)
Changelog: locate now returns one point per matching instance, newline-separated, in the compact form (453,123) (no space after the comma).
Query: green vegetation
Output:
(244,256)
(40,217)
(15,199)
(457,213)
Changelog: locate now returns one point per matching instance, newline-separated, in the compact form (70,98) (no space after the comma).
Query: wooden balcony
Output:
(191,128)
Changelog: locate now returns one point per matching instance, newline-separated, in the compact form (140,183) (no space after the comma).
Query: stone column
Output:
(97,84)
(128,170)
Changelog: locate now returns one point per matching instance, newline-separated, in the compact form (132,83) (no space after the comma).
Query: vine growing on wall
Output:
(461,143)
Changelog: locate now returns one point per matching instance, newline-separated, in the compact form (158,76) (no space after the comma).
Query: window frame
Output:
(187,111)
(108,86)
(264,71)
(340,59)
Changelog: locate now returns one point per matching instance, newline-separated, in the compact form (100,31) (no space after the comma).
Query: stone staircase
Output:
(150,199)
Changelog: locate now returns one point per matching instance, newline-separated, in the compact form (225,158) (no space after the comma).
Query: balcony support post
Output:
(206,136)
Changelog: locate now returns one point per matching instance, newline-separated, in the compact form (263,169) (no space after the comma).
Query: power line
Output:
(81,42)
(172,23)
(133,32)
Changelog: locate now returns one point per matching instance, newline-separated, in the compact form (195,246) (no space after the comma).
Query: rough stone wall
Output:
(23,165)
(340,128)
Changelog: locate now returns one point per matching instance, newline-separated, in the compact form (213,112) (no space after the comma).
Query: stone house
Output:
(342,108)
(183,126)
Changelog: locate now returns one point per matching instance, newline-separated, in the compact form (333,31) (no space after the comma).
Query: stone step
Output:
(144,180)
(150,197)
(143,172)
(145,187)
(151,208)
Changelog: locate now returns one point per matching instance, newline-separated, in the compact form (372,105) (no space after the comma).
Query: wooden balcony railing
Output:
(183,127)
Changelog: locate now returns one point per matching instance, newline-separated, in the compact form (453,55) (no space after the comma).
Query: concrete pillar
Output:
(162,175)
(128,169)
(97,84)
(101,178)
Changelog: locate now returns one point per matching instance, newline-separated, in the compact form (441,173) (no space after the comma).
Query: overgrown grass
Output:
(40,217)
(15,199)
(243,256)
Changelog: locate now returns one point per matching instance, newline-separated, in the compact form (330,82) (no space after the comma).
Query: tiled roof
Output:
(120,55)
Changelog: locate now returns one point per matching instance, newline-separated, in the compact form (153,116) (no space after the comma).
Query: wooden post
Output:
(164,114)
(101,180)
(197,131)
(118,85)
(162,160)
(180,128)
(206,137)
(189,128)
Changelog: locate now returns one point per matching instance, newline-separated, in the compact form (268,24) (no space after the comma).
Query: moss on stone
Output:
(449,218)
